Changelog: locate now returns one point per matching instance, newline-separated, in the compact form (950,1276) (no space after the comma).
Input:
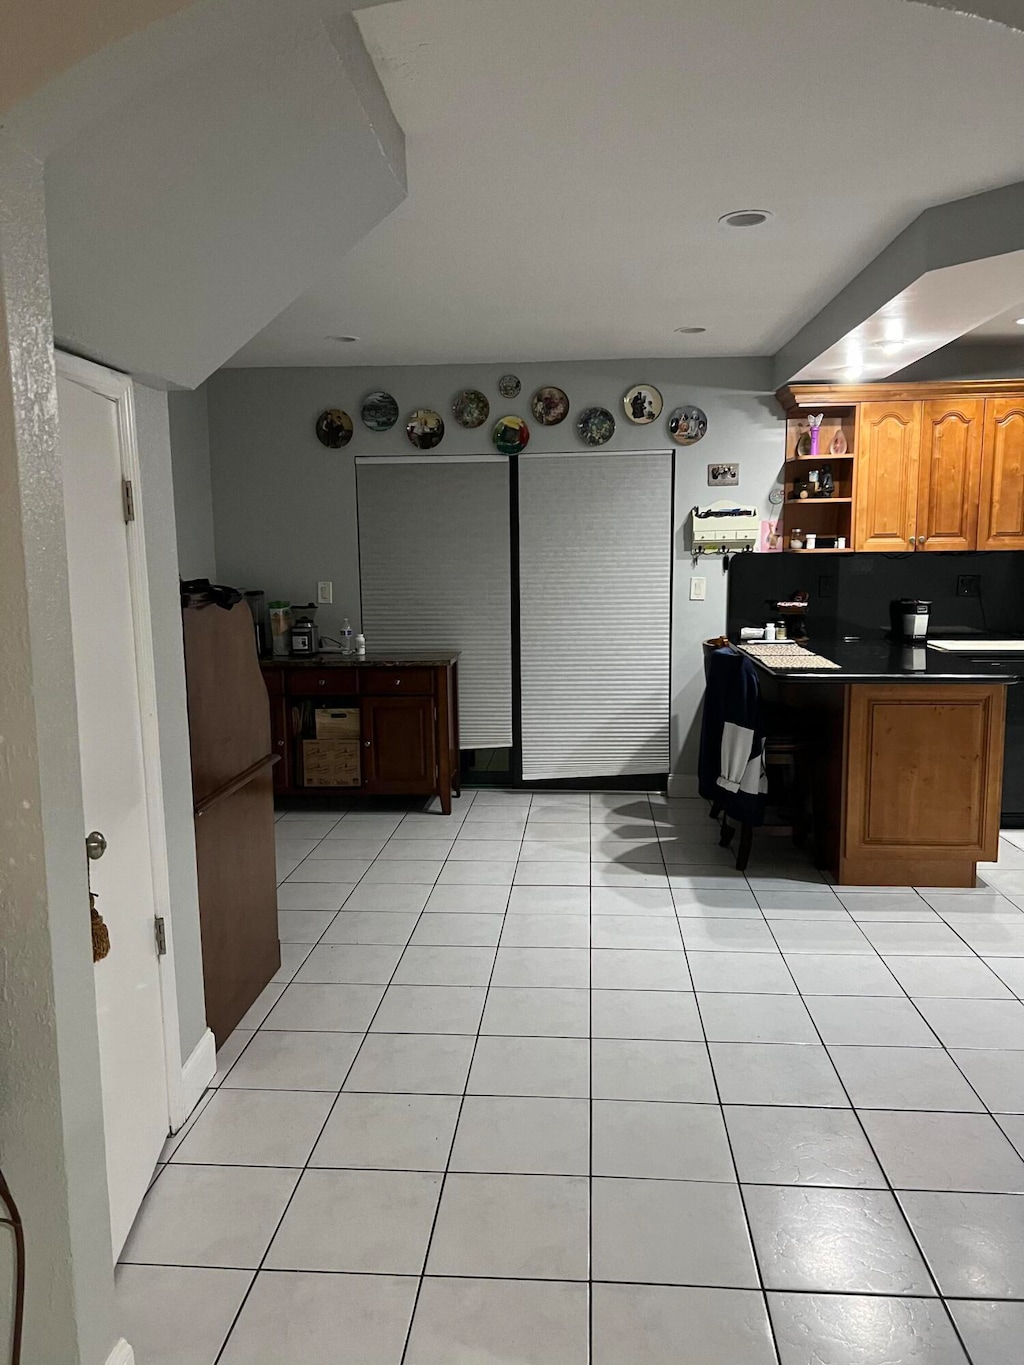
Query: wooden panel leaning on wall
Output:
(232,761)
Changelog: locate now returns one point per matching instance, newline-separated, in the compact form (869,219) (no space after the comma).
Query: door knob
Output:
(95,845)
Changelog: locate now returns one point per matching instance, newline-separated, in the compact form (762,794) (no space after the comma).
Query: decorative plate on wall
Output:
(380,411)
(425,429)
(510,435)
(550,406)
(643,404)
(470,408)
(595,426)
(509,386)
(334,428)
(687,425)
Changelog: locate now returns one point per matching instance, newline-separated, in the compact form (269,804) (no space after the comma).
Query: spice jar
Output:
(796,539)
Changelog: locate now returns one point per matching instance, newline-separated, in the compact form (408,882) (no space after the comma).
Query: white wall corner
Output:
(197,1073)
(122,1354)
(682,785)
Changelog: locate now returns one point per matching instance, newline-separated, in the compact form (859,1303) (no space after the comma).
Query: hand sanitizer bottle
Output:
(346,636)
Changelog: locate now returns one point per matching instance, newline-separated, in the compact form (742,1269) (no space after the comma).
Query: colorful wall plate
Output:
(595,426)
(334,428)
(550,406)
(470,408)
(380,411)
(643,404)
(425,429)
(510,435)
(687,425)
(509,386)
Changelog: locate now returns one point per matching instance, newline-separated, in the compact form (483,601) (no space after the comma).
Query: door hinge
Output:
(128,499)
(161,936)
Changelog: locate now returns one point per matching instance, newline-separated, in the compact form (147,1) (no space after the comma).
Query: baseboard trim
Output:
(122,1354)
(198,1072)
(682,785)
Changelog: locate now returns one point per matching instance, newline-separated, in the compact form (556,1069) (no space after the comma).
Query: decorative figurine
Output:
(814,421)
(839,444)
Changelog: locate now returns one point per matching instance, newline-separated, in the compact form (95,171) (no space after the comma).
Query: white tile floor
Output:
(549,1083)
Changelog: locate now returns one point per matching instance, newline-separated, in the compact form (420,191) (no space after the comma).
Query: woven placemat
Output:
(787,654)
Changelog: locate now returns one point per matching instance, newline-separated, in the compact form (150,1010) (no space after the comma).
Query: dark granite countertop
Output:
(878,660)
(406,658)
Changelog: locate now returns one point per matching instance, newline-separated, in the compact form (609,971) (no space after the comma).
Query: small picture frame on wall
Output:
(723,475)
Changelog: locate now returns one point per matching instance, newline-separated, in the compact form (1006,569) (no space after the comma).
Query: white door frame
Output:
(119,389)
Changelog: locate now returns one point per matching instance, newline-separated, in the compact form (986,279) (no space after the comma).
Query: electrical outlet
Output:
(826,585)
(698,589)
(325,591)
(968,585)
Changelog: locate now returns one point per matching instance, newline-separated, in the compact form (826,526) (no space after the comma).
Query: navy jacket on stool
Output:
(732,771)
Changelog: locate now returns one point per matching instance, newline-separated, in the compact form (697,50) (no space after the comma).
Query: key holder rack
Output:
(723,528)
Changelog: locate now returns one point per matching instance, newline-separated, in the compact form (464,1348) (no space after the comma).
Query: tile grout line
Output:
(305,1167)
(455,1130)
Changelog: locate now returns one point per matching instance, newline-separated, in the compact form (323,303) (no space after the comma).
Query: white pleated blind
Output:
(595,576)
(434,567)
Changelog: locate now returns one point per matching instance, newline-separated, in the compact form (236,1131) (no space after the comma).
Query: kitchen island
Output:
(900,757)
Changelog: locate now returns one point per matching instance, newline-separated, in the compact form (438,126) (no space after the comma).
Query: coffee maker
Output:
(908,620)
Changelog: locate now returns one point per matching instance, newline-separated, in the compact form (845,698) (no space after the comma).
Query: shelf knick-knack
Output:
(814,421)
(839,445)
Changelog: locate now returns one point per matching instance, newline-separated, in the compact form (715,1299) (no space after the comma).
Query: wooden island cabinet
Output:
(936,466)
(403,732)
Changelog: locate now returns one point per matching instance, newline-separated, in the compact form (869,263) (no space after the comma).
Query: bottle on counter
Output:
(769,631)
(360,643)
(781,632)
(280,627)
(346,636)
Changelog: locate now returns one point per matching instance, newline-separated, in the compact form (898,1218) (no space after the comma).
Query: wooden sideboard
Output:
(408,731)
(936,466)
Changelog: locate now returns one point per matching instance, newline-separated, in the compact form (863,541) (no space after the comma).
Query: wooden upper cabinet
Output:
(1001,513)
(949,475)
(888,450)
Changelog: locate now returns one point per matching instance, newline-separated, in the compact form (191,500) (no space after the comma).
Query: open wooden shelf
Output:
(846,550)
(816,502)
(817,459)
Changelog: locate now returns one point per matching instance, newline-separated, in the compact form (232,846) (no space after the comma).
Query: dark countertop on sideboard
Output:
(408,658)
(880,661)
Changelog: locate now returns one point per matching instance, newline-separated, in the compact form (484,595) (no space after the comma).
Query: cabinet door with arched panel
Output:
(889,440)
(950,472)
(1001,512)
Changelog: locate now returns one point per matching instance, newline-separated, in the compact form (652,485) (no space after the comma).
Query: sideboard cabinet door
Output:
(398,749)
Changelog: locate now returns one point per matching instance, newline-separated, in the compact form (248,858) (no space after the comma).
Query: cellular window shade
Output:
(595,578)
(434,569)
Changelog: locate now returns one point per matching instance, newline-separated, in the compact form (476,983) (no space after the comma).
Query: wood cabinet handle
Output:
(398,682)
(322,682)
(366,743)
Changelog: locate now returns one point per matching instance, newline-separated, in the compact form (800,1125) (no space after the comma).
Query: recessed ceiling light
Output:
(1019,322)
(745,218)
(690,331)
(343,340)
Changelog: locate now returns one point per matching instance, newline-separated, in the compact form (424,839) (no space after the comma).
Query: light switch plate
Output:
(325,591)
(698,589)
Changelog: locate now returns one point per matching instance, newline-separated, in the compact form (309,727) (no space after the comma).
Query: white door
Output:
(128,1004)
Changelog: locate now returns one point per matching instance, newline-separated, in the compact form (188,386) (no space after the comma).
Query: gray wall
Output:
(158,504)
(285,507)
(193,498)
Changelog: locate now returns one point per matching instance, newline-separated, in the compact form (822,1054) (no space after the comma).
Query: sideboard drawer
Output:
(322,682)
(398,682)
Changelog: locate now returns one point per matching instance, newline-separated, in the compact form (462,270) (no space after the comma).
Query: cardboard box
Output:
(336,722)
(330,763)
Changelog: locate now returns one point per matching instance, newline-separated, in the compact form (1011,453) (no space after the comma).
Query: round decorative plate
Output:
(470,408)
(510,435)
(777,496)
(687,425)
(509,386)
(595,426)
(550,406)
(643,404)
(425,429)
(380,411)
(334,428)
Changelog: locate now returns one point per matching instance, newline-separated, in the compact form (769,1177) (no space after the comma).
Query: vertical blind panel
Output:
(434,566)
(595,575)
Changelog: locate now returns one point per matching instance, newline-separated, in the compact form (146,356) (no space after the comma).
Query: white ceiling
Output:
(568,161)
(1000,330)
